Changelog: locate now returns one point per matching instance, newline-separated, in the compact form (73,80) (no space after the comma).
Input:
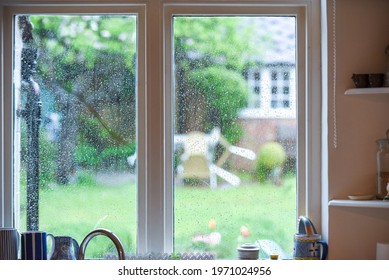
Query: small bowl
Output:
(273,256)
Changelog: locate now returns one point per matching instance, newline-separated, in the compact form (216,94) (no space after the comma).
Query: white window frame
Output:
(155,118)
(265,110)
(9,195)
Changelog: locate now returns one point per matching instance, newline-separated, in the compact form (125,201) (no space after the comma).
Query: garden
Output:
(206,220)
(88,129)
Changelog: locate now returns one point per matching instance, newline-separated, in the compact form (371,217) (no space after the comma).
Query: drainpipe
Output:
(32,114)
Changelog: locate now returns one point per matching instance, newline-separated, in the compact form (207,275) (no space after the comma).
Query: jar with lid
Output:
(382,166)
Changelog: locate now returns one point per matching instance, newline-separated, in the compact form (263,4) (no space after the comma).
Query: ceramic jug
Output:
(307,243)
(63,248)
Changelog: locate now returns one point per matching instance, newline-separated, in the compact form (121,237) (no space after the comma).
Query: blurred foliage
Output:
(216,40)
(271,155)
(88,62)
(92,60)
(87,156)
(225,93)
(211,55)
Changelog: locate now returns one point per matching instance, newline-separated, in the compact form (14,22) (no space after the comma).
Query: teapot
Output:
(63,248)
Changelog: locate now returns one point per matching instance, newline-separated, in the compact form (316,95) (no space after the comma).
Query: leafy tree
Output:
(84,64)
(220,93)
(211,54)
(87,62)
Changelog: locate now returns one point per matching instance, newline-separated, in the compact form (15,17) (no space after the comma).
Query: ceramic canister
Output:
(9,243)
(309,247)
(248,251)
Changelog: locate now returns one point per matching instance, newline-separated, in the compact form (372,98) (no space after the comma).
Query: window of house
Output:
(255,86)
(114,150)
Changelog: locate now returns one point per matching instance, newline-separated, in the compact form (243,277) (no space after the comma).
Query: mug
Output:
(9,244)
(309,247)
(34,245)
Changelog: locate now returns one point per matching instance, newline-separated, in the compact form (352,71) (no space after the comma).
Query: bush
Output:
(116,156)
(271,156)
(87,156)
(113,156)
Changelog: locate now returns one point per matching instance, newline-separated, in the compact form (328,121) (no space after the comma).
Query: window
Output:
(75,113)
(86,119)
(255,85)
(209,92)
(156,124)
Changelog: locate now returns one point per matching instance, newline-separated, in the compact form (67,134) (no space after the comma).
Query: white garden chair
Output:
(198,161)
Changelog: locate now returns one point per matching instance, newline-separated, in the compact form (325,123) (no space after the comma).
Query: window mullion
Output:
(155,174)
(7,194)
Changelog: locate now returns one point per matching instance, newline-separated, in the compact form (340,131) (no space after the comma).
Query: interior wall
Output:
(361,35)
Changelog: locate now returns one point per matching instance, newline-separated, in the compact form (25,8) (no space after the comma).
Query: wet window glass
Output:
(234,130)
(75,126)
(235,177)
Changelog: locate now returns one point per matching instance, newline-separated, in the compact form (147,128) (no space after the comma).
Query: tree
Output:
(84,64)
(220,93)
(210,57)
(88,64)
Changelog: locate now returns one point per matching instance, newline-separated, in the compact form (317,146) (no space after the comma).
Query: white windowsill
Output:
(359,203)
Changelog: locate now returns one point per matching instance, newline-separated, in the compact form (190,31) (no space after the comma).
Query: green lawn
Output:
(266,211)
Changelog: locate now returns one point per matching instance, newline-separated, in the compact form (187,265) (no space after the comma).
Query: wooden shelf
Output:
(359,203)
(367,91)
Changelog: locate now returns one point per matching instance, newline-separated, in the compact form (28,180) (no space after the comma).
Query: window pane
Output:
(235,177)
(75,98)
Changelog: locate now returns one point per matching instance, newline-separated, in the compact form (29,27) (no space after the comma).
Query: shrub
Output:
(271,156)
(116,156)
(87,156)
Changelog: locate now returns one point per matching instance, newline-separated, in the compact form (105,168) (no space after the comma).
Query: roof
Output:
(281,31)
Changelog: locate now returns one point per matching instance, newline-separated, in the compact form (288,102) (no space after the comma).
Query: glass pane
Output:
(75,126)
(235,176)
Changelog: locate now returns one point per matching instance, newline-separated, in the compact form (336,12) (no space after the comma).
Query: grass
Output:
(268,212)
(264,212)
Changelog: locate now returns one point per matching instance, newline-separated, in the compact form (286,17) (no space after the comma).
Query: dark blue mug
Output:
(34,245)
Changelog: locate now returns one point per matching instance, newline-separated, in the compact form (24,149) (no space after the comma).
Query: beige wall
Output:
(362,33)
